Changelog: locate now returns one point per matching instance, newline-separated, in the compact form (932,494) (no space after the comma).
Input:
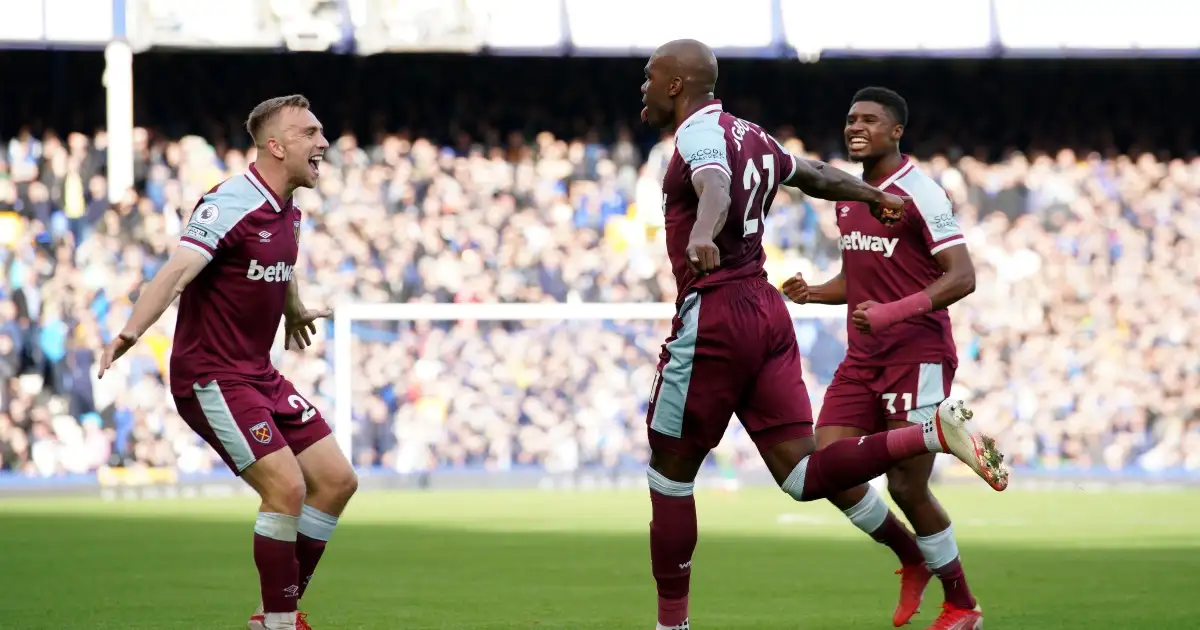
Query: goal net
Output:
(552,386)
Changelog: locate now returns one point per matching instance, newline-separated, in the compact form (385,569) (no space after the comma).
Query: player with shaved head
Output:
(233,274)
(732,348)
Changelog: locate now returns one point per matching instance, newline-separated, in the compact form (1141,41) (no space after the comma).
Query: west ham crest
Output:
(261,432)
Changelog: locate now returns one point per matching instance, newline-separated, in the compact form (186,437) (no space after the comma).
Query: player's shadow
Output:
(139,572)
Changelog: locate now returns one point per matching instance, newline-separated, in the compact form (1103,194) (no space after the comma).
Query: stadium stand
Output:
(1079,347)
(1106,237)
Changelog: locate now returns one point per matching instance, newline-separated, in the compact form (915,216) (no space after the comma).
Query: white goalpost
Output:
(347,314)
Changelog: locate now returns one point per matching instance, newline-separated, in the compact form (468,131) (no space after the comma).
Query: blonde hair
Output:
(266,110)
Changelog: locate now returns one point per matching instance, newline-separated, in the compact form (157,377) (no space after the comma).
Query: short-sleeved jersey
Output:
(229,314)
(755,163)
(886,263)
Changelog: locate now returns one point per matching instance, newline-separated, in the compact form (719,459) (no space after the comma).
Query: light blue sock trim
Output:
(276,526)
(316,524)
(667,487)
(869,513)
(794,484)
(939,549)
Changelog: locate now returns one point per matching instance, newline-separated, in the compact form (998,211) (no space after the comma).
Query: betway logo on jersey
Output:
(278,272)
(857,241)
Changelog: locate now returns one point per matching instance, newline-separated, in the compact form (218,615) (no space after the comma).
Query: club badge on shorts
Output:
(261,432)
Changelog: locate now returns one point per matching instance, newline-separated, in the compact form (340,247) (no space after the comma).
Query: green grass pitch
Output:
(1069,559)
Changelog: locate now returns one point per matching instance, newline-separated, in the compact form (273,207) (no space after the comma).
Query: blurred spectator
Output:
(1081,346)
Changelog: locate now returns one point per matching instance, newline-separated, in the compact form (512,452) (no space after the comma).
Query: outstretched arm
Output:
(180,269)
(823,181)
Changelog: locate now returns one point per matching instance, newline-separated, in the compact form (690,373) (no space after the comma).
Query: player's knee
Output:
(793,484)
(344,483)
(907,491)
(675,467)
(279,482)
(285,494)
(333,484)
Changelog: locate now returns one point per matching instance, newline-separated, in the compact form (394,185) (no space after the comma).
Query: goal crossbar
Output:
(346,314)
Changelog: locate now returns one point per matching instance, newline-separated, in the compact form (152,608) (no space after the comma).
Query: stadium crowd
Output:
(1080,347)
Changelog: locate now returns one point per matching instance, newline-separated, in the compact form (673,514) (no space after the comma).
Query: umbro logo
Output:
(845,210)
(265,236)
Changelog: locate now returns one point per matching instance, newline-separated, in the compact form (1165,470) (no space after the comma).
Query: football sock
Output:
(941,556)
(873,517)
(275,557)
(313,532)
(672,542)
(914,440)
(853,461)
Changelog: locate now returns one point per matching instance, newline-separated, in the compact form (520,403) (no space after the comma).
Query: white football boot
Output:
(975,449)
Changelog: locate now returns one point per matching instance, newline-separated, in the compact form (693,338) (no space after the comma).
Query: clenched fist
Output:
(796,289)
(890,208)
(861,318)
(702,255)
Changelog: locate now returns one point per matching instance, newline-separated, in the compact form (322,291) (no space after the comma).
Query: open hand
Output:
(113,351)
(298,328)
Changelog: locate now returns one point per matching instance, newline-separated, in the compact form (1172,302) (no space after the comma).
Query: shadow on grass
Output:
(126,573)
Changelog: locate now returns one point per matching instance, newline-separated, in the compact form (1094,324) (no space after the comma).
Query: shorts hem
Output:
(677,446)
(770,437)
(307,444)
(280,445)
(906,416)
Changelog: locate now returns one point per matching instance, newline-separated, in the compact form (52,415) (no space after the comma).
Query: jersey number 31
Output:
(751,180)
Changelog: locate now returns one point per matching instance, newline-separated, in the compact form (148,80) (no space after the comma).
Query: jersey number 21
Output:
(751,180)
